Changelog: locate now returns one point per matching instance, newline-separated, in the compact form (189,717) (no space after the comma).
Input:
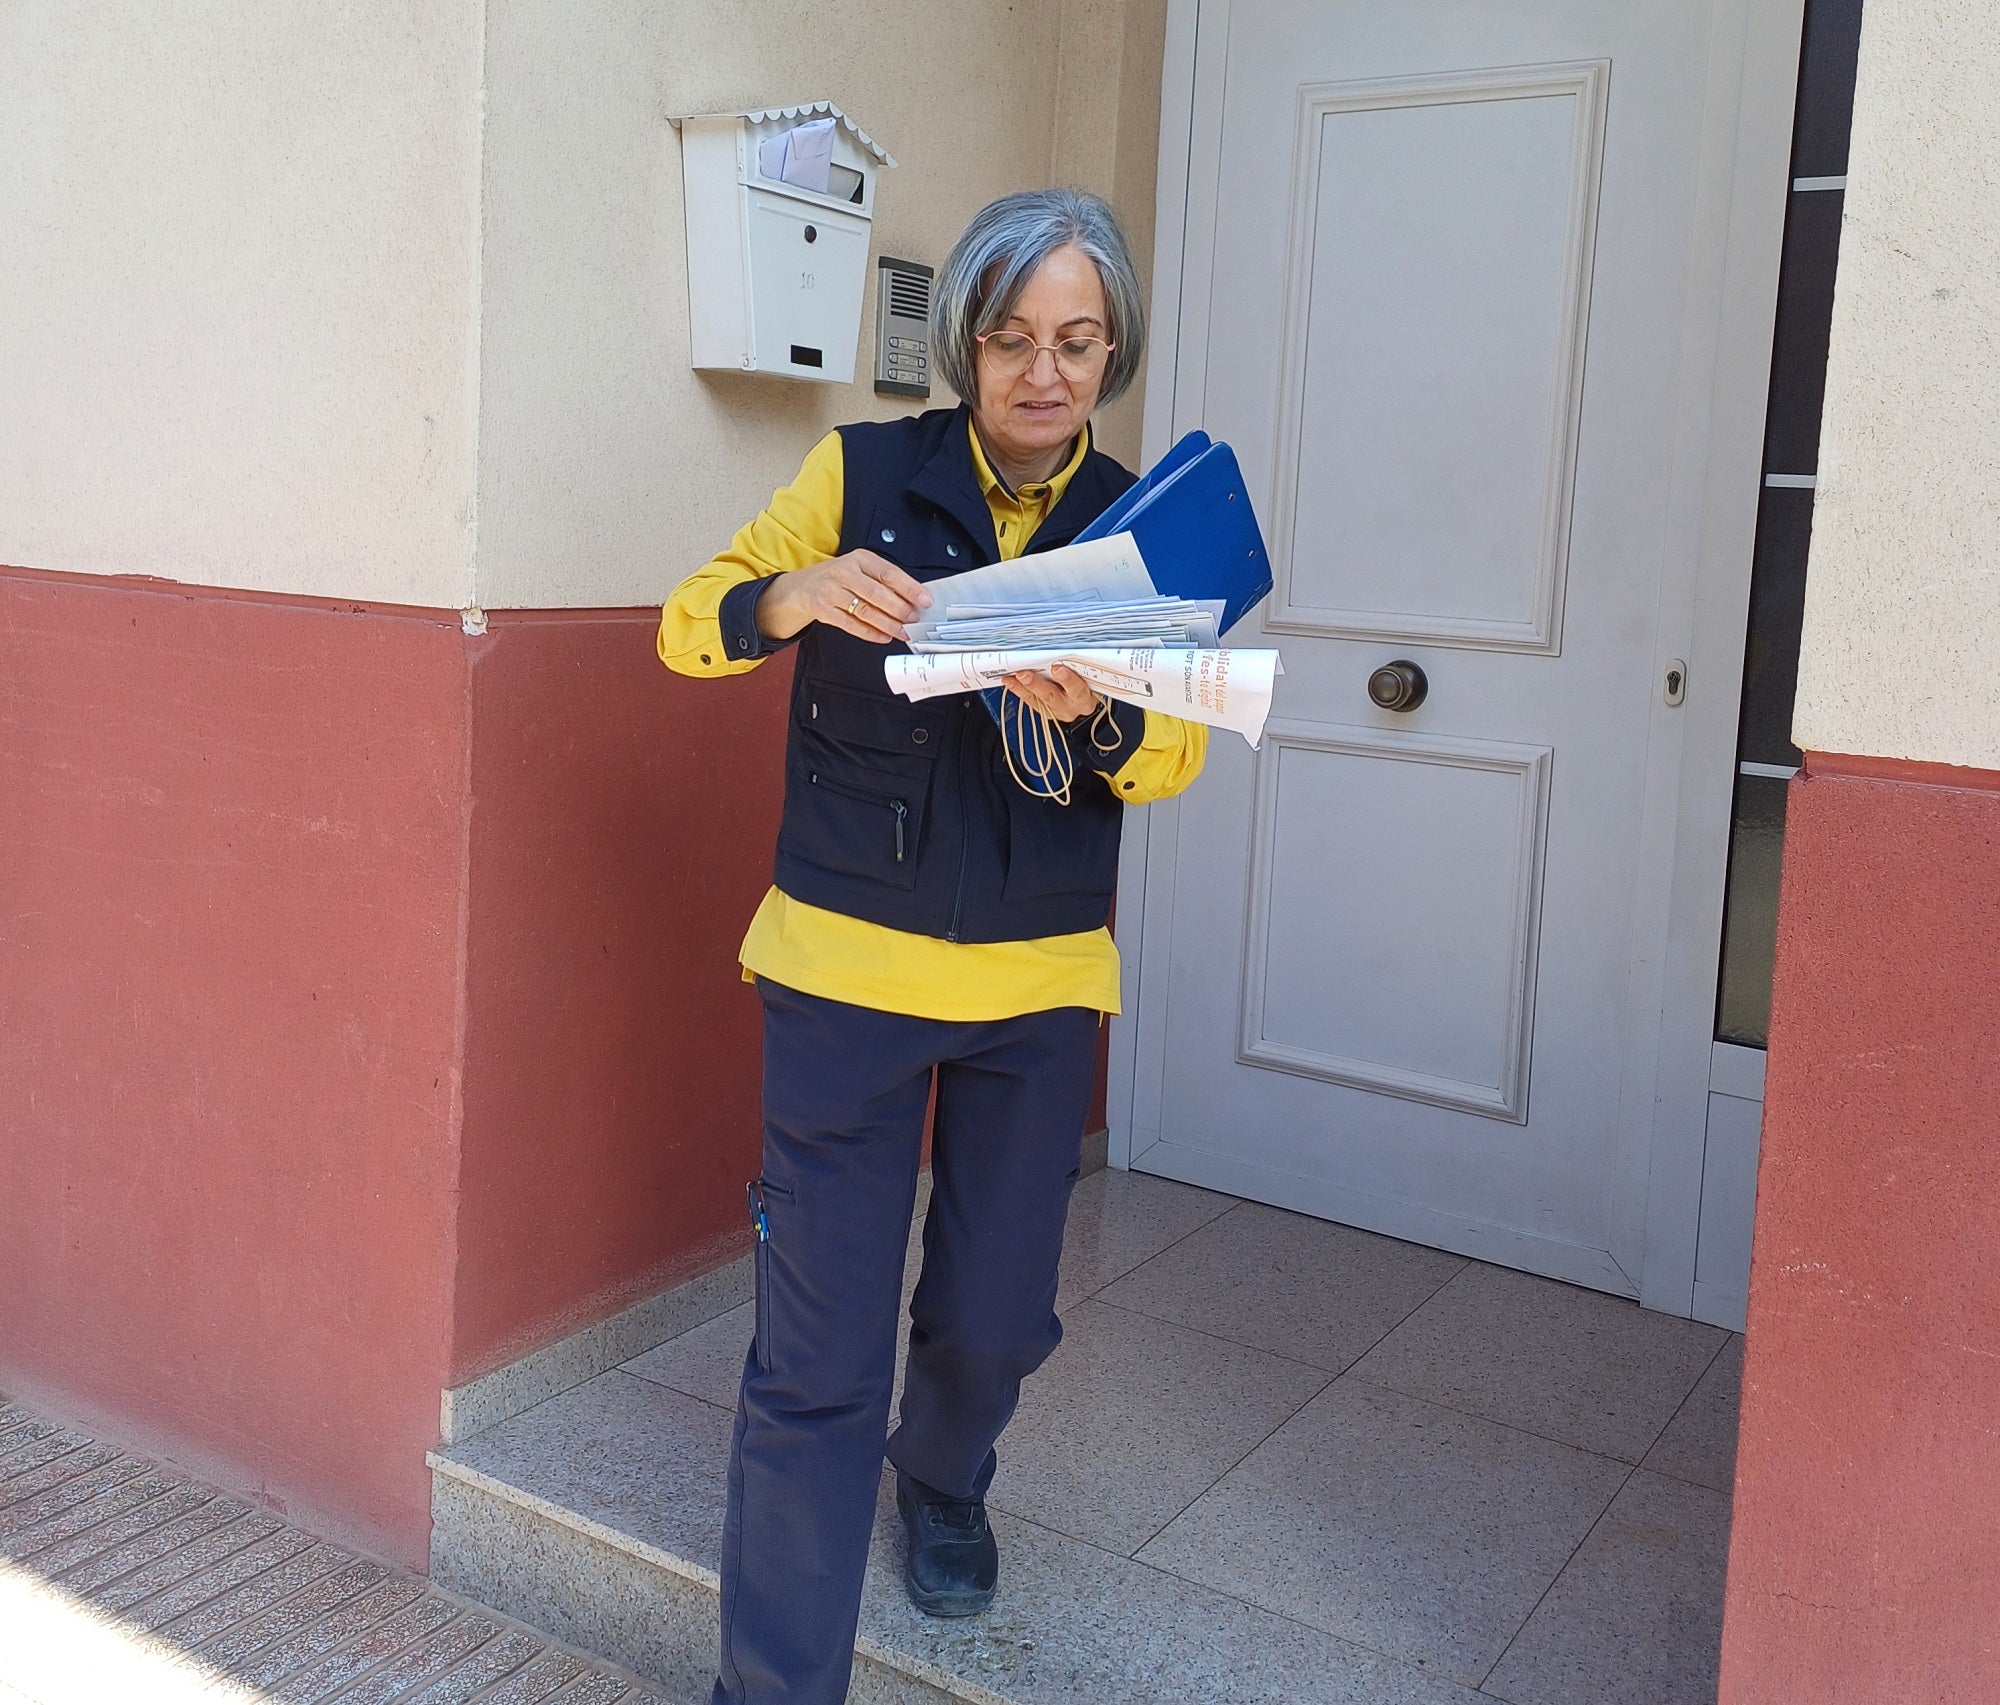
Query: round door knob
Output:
(1400,685)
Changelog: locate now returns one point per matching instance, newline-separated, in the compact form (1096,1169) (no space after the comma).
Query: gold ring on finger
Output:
(854,605)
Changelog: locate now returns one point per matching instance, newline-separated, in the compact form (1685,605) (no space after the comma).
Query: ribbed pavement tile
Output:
(333,1630)
(111,1504)
(21,1429)
(402,1674)
(597,1689)
(202,1578)
(231,1649)
(537,1682)
(499,1657)
(377,1646)
(185,1561)
(121,1529)
(120,1557)
(26,1488)
(218,1583)
(106,1469)
(208,1620)
(39,1454)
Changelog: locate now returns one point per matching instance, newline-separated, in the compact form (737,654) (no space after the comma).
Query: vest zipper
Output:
(958,894)
(899,807)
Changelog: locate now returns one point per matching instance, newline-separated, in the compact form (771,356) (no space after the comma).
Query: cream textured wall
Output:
(1902,635)
(388,301)
(609,468)
(238,250)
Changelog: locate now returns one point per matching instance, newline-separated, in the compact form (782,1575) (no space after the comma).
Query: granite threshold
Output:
(637,1604)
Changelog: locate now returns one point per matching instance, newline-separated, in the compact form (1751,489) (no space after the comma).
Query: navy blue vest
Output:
(905,814)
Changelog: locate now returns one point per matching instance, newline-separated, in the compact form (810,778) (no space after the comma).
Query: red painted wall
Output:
(622,826)
(231,867)
(369,1013)
(1865,1559)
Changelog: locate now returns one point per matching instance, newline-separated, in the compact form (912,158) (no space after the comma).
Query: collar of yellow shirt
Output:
(1030,504)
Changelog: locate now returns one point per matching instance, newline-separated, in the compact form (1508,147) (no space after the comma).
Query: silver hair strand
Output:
(998,253)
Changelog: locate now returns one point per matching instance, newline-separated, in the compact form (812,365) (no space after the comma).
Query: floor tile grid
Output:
(1633,1461)
(1351,1377)
(491,1659)
(1607,1514)
(1723,1349)
(1584,1540)
(1331,1375)
(1243,1343)
(1631,1468)
(1661,1463)
(1104,1281)
(1354,1375)
(1093,1293)
(1113,1559)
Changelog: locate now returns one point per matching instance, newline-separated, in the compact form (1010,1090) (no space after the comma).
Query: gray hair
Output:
(991,263)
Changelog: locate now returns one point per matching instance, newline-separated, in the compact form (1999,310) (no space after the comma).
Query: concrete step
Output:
(600,1513)
(597,1516)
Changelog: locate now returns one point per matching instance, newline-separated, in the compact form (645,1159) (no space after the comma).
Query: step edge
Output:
(576,1521)
(493,1398)
(892,1657)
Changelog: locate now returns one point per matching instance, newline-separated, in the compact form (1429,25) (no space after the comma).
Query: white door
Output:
(1454,281)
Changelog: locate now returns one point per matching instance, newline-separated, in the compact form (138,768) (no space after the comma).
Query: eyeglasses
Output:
(1078,359)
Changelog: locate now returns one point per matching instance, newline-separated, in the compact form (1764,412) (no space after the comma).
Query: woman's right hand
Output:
(859,593)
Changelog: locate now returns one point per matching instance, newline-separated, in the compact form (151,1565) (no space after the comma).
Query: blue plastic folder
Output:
(1192,518)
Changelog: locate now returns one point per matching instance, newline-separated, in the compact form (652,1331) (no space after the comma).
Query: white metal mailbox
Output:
(779,203)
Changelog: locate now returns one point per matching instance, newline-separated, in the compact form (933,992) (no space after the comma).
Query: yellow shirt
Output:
(829,954)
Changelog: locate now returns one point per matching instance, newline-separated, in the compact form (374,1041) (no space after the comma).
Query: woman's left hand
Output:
(1061,694)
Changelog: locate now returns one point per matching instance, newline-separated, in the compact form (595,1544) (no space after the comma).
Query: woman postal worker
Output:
(930,915)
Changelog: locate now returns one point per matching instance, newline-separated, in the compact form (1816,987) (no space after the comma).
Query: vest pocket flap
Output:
(853,819)
(881,722)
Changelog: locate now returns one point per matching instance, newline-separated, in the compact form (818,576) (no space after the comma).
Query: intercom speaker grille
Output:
(903,328)
(909,296)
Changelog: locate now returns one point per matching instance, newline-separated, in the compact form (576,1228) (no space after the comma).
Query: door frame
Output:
(1703,608)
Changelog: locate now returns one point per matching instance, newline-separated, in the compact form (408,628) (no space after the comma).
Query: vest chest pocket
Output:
(858,783)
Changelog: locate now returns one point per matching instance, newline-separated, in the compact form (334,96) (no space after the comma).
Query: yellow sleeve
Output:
(1169,757)
(800,527)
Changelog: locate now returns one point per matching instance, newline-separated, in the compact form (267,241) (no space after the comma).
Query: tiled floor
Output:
(122,1582)
(1495,1482)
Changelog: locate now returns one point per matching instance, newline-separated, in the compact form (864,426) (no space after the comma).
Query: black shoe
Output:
(954,1564)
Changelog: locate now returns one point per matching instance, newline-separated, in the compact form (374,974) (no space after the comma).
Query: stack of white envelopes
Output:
(1058,623)
(1093,608)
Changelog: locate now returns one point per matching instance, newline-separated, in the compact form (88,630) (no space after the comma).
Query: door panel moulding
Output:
(1583,85)
(1527,768)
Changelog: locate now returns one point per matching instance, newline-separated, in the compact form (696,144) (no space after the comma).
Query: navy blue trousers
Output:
(845,1089)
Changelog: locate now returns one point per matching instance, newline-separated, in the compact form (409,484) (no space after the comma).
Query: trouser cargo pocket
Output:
(770,1216)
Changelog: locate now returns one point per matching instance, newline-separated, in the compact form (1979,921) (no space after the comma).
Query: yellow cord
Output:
(1045,753)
